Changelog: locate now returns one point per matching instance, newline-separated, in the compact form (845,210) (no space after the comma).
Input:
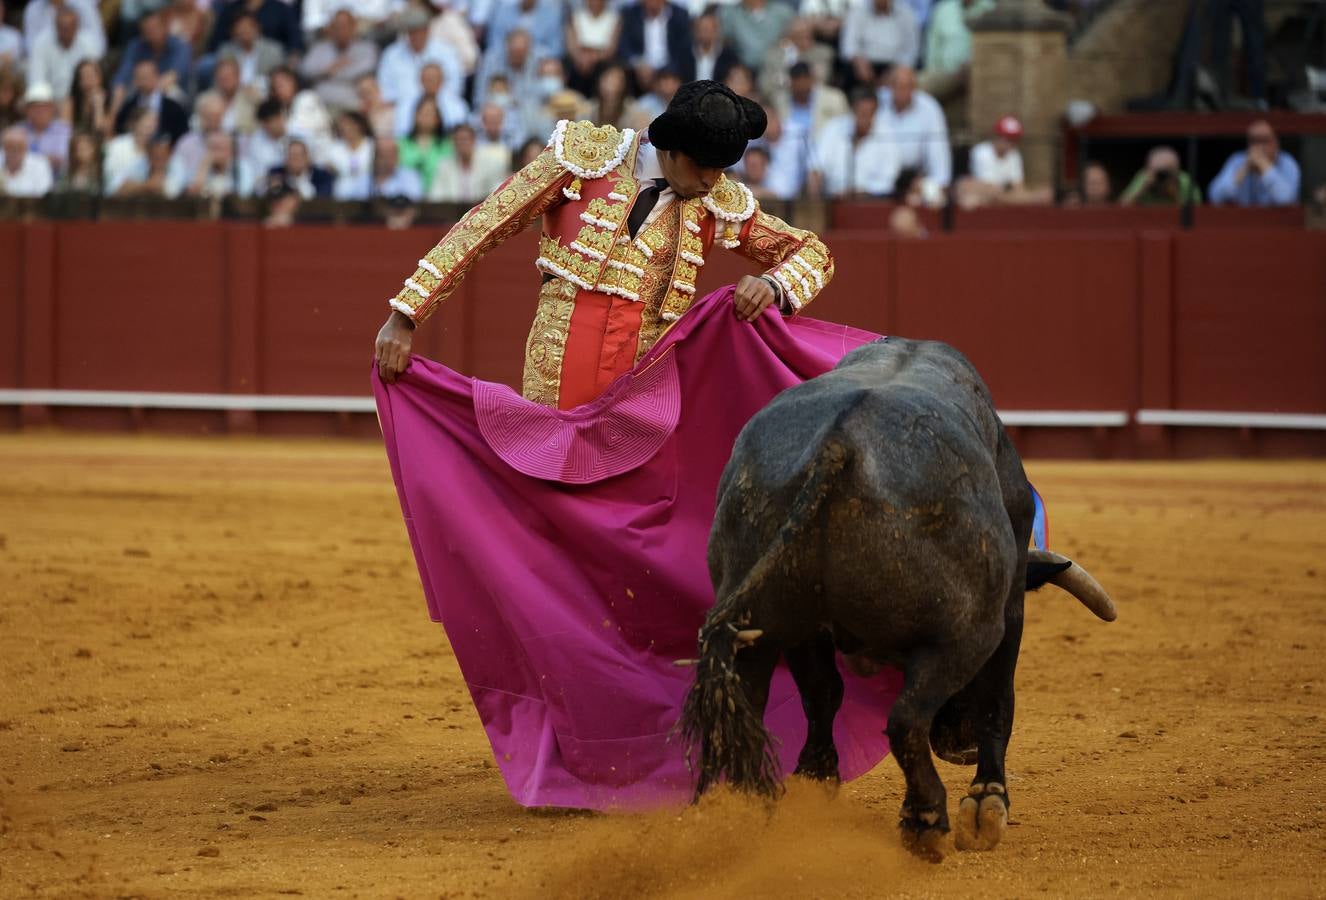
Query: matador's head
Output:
(703,131)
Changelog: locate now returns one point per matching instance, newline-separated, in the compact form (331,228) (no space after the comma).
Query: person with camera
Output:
(1262,175)
(1161,183)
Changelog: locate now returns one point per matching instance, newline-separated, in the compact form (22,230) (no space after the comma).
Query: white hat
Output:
(39,92)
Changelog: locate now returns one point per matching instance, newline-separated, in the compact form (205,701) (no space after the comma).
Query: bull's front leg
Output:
(983,814)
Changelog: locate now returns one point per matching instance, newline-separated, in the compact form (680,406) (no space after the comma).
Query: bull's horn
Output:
(749,636)
(679,663)
(1078,582)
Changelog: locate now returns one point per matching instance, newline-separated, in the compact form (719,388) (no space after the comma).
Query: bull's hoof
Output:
(925,835)
(982,817)
(820,766)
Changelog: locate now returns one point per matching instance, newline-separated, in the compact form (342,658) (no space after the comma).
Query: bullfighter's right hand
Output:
(392,350)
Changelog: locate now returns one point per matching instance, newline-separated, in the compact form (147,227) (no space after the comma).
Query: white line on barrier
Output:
(1201,419)
(304,403)
(1064,419)
(147,400)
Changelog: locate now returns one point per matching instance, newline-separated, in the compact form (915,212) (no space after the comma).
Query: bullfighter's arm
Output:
(521,199)
(799,262)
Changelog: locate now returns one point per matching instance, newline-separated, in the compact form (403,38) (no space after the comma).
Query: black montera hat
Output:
(709,123)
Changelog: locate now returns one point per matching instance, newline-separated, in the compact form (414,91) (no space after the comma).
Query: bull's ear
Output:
(1039,573)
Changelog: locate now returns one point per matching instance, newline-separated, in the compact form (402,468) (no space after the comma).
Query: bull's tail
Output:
(718,718)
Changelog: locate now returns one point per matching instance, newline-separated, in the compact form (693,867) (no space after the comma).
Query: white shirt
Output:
(249,76)
(892,38)
(399,68)
(122,159)
(705,62)
(990,167)
(354,169)
(262,152)
(656,39)
(39,18)
(595,32)
(53,64)
(33,178)
(11,44)
(647,168)
(869,166)
(317,13)
(921,135)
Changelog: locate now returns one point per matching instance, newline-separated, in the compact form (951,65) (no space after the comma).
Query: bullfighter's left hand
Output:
(753,295)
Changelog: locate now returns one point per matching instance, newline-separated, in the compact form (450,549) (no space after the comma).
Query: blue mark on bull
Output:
(1040,525)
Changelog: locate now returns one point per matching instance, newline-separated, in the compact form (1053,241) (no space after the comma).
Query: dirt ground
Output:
(217,678)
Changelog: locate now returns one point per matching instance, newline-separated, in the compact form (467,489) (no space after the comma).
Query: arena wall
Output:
(1096,338)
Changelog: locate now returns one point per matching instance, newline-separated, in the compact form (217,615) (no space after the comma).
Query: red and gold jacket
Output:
(609,297)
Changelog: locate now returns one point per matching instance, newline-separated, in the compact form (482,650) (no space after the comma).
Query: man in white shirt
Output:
(432,82)
(264,149)
(191,149)
(370,14)
(472,173)
(879,34)
(58,52)
(334,63)
(915,122)
(22,173)
(39,18)
(998,162)
(853,155)
(218,175)
(401,63)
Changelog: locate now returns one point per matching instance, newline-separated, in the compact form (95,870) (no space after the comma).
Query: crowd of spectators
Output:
(439,100)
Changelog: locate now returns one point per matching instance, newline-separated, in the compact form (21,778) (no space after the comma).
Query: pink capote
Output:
(564,552)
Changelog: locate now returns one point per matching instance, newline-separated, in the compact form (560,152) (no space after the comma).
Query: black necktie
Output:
(644,202)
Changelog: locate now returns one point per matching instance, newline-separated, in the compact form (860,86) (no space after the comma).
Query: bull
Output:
(879,511)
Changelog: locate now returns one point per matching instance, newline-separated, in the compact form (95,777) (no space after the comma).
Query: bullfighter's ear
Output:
(1039,573)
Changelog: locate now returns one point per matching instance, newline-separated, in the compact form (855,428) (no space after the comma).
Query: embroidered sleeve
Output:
(798,260)
(510,209)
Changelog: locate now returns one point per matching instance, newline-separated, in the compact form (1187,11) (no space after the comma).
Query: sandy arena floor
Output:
(219,680)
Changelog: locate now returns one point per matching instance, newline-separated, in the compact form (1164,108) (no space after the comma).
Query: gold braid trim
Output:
(588,151)
(798,260)
(510,209)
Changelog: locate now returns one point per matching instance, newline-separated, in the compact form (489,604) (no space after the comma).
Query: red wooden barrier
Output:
(1117,320)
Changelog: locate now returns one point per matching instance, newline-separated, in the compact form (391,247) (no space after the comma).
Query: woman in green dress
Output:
(426,144)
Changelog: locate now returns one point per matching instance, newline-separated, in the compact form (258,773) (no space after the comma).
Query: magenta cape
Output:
(564,552)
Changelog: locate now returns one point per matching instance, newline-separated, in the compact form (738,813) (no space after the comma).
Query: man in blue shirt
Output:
(156,43)
(1262,175)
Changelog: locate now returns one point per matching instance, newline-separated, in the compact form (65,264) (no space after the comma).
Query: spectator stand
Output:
(1204,140)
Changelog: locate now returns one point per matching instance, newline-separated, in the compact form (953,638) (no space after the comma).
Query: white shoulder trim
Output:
(729,216)
(558,144)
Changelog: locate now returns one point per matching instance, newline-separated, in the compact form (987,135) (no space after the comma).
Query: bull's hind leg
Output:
(821,686)
(930,677)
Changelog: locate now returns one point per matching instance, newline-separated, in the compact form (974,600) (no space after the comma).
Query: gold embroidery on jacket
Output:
(798,260)
(546,348)
(524,197)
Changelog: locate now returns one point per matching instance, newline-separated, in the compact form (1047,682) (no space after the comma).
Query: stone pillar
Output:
(1019,66)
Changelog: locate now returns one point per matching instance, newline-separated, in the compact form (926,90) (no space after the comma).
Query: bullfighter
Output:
(628,220)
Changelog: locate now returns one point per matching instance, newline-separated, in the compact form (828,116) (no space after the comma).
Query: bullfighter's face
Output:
(685,176)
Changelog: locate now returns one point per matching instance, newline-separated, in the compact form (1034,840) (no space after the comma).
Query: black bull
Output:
(879,510)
